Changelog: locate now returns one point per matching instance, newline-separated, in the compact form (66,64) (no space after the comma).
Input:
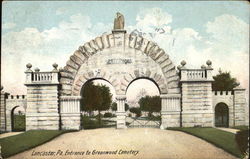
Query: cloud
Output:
(229,30)
(9,25)
(61,11)
(149,19)
(226,44)
(43,48)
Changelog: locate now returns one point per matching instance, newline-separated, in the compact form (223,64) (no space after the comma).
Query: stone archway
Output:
(221,115)
(121,58)
(13,120)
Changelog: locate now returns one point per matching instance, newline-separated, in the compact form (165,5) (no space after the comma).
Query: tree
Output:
(136,111)
(96,97)
(89,92)
(224,82)
(150,104)
(114,106)
(106,99)
(126,107)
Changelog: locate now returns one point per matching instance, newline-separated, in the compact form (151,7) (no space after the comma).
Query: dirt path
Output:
(135,142)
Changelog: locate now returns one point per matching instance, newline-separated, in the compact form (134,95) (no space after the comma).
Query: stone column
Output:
(120,113)
(70,112)
(170,110)
(239,106)
(42,99)
(28,73)
(2,111)
(196,87)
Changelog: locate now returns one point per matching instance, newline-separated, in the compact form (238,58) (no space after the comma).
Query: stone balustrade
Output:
(196,74)
(42,77)
(70,104)
(38,77)
(203,74)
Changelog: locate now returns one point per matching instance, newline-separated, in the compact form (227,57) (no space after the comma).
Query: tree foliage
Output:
(223,81)
(114,106)
(150,104)
(95,97)
(136,111)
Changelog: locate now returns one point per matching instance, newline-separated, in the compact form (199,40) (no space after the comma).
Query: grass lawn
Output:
(93,123)
(18,143)
(219,138)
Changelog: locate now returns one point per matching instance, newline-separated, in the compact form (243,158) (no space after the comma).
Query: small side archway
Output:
(221,115)
(17,119)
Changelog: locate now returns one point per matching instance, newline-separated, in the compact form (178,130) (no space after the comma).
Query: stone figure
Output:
(119,22)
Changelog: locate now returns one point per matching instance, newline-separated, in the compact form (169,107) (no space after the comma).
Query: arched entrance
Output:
(143,97)
(17,119)
(221,115)
(120,58)
(97,97)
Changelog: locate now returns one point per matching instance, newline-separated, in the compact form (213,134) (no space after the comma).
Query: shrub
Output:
(241,138)
(107,115)
(135,110)
(97,116)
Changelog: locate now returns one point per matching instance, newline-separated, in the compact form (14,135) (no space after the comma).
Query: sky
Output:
(43,33)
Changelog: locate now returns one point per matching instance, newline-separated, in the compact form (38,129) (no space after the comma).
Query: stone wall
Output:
(42,99)
(42,107)
(12,102)
(197,104)
(239,106)
(70,112)
(226,97)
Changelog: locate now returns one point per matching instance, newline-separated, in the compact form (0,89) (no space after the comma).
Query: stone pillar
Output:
(239,106)
(2,111)
(70,112)
(170,110)
(196,87)
(42,110)
(120,113)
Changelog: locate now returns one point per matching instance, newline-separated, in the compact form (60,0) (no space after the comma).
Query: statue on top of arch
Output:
(119,22)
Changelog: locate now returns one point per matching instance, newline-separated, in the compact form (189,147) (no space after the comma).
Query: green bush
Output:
(107,115)
(135,110)
(97,116)
(241,138)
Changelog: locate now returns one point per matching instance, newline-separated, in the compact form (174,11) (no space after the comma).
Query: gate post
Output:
(120,113)
(170,110)
(2,110)
(70,112)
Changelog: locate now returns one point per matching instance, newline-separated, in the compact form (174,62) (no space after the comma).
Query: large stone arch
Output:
(119,41)
(79,82)
(119,58)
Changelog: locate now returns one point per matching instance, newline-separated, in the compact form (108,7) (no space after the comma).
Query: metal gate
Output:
(142,122)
